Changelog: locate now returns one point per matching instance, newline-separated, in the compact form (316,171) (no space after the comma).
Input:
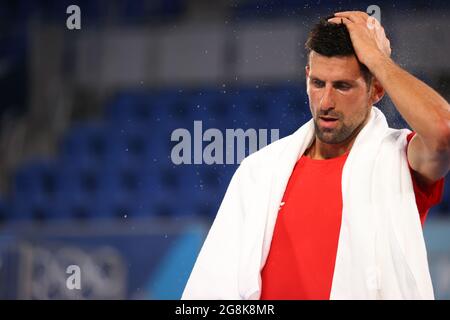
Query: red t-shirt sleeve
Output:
(426,197)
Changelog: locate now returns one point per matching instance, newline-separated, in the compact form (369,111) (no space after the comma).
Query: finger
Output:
(379,30)
(354,16)
(335,20)
(340,20)
(350,17)
(353,13)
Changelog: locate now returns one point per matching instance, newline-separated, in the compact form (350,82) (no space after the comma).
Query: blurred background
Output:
(87,173)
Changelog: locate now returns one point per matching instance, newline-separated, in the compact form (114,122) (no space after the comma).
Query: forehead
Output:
(333,68)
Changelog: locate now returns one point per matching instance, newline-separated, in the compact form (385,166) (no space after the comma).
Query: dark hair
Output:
(332,39)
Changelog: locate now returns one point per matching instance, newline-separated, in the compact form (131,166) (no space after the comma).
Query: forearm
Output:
(422,107)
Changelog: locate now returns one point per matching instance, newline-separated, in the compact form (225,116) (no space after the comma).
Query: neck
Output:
(320,150)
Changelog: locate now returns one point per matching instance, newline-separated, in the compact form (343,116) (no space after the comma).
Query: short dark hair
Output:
(332,39)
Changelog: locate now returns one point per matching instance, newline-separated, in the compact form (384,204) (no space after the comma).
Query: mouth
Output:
(328,122)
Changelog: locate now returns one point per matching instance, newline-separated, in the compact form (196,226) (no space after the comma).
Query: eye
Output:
(343,86)
(317,83)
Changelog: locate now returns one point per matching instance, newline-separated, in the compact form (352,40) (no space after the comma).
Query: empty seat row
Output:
(47,189)
(263,106)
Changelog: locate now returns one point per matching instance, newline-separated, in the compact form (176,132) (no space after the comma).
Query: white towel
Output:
(381,251)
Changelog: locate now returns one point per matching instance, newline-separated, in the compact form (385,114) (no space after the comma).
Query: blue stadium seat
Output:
(251,107)
(182,109)
(73,208)
(175,190)
(131,107)
(220,109)
(49,191)
(78,183)
(86,144)
(103,192)
(35,181)
(131,143)
(212,182)
(193,190)
(32,210)
(127,180)
(108,191)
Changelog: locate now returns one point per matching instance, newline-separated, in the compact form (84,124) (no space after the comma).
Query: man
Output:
(334,210)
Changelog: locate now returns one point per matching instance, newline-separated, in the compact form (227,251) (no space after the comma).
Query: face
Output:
(339,98)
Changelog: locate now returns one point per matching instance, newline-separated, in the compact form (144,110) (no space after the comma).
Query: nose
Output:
(327,100)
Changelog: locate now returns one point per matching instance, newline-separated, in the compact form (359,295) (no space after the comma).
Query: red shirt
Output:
(300,264)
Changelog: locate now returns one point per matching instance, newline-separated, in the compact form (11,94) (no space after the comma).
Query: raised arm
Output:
(423,108)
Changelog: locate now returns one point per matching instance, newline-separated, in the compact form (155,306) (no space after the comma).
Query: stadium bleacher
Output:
(121,167)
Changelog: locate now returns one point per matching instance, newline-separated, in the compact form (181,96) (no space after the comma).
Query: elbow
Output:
(437,138)
(443,136)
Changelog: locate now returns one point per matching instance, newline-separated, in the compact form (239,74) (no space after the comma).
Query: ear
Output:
(306,78)
(377,91)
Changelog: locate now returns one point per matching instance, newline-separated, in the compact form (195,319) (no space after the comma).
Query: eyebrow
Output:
(352,82)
